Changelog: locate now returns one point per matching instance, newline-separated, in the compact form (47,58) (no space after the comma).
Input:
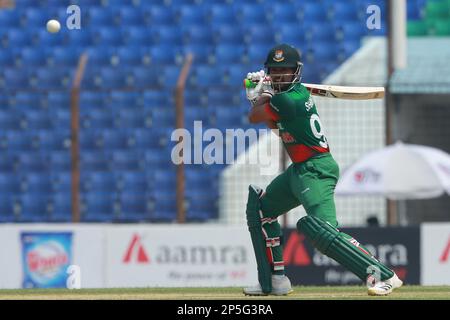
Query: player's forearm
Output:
(258,112)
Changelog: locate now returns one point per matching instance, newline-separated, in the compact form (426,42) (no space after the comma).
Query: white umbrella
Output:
(398,172)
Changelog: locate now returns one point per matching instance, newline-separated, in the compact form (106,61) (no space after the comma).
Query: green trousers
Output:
(311,184)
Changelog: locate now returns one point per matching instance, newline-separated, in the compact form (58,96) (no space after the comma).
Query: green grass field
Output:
(300,293)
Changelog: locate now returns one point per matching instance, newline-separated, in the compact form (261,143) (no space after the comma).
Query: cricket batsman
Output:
(283,103)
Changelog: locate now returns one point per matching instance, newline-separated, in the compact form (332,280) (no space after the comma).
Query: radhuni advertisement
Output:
(398,248)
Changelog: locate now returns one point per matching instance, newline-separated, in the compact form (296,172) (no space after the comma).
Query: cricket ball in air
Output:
(53,26)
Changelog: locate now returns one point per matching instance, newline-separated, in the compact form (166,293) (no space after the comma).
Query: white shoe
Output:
(383,288)
(281,286)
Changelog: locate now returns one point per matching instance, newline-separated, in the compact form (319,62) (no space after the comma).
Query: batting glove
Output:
(262,87)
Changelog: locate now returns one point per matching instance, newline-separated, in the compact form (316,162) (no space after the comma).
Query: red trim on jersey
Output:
(272,114)
(301,153)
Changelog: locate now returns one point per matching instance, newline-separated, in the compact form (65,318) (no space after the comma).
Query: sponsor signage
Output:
(435,246)
(45,259)
(180,256)
(397,247)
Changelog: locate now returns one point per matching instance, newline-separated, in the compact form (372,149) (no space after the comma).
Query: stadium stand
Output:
(138,46)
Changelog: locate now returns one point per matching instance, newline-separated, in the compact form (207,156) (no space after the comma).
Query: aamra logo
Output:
(136,251)
(446,253)
(295,252)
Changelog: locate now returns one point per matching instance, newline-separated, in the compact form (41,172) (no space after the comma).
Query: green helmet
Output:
(284,56)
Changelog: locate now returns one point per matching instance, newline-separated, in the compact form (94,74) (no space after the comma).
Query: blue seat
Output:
(7,208)
(19,141)
(37,183)
(61,182)
(218,96)
(168,35)
(347,48)
(236,76)
(53,140)
(195,114)
(131,16)
(9,120)
(134,207)
(138,36)
(130,55)
(201,52)
(108,36)
(94,160)
(145,139)
(67,56)
(163,118)
(221,14)
(61,119)
(164,54)
(61,207)
(157,98)
(350,31)
(130,118)
(89,100)
(32,162)
(227,53)
(200,206)
(100,56)
(6,163)
(170,75)
(114,139)
(125,99)
(204,75)
(283,13)
(165,179)
(37,119)
(60,161)
(10,183)
(35,18)
(113,78)
(225,117)
(198,35)
(26,101)
(251,12)
(311,12)
(99,182)
(320,32)
(98,16)
(146,77)
(90,139)
(34,208)
(80,38)
(160,15)
(257,34)
(343,11)
(9,18)
(228,34)
(18,38)
(49,40)
(322,51)
(126,160)
(6,59)
(133,181)
(164,205)
(191,15)
(98,207)
(155,159)
(54,78)
(33,57)
(97,118)
(16,78)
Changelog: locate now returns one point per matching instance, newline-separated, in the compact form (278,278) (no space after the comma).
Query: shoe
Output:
(383,288)
(281,286)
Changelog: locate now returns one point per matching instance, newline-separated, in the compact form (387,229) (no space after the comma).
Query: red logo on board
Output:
(136,251)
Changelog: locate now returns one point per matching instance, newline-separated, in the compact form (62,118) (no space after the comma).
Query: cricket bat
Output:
(338,92)
(345,92)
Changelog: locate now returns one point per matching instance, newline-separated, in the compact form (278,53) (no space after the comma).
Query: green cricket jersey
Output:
(297,119)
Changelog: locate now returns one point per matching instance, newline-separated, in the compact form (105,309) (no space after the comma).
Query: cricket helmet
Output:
(284,56)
